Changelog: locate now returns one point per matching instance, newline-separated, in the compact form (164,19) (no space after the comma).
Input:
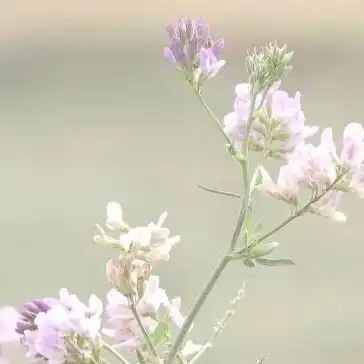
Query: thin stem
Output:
(143,329)
(213,117)
(196,308)
(299,212)
(219,192)
(114,352)
(246,177)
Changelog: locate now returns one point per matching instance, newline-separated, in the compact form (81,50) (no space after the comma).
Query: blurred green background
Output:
(90,112)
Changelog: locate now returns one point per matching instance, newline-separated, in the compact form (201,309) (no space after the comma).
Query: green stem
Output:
(114,352)
(246,177)
(196,308)
(214,118)
(143,329)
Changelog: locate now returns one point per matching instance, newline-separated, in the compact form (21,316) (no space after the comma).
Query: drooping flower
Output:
(193,50)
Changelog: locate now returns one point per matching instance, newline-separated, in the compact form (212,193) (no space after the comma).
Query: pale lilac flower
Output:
(31,310)
(9,338)
(352,154)
(287,186)
(153,297)
(123,327)
(209,65)
(85,320)
(48,340)
(356,183)
(316,164)
(327,206)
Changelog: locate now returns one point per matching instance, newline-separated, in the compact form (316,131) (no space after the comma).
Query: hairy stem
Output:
(114,352)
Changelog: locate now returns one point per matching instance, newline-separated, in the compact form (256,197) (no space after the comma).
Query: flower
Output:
(327,206)
(352,154)
(123,325)
(209,65)
(192,48)
(287,186)
(278,120)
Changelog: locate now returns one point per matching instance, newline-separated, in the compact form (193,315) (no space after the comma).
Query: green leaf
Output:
(160,332)
(262,249)
(275,262)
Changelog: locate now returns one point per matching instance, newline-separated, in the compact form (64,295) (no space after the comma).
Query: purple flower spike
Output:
(189,39)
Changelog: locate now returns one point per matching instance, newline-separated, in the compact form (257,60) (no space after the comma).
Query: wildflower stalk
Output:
(114,352)
(245,201)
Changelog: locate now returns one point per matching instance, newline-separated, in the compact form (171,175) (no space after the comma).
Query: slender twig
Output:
(219,192)
(143,329)
(114,352)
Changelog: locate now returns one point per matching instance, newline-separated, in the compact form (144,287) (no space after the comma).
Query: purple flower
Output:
(209,65)
(191,47)
(30,310)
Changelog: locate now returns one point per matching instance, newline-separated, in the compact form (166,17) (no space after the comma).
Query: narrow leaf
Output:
(275,262)
(262,249)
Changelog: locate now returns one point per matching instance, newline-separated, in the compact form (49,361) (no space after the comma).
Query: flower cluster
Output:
(56,330)
(136,294)
(278,120)
(193,50)
(322,171)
